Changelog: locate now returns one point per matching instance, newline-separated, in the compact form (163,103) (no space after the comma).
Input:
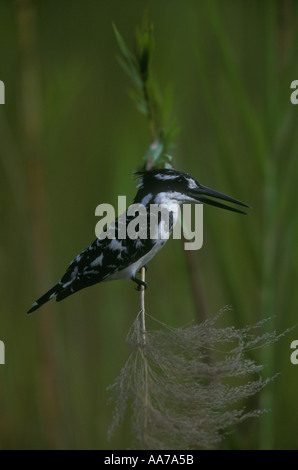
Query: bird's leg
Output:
(139,283)
(145,266)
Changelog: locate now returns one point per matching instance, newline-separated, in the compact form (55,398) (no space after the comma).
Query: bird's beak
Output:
(202,194)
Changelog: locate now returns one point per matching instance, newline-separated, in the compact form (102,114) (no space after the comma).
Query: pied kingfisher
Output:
(107,259)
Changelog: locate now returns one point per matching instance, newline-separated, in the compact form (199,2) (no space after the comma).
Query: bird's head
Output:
(169,186)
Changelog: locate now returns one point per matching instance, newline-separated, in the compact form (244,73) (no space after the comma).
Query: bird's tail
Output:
(47,296)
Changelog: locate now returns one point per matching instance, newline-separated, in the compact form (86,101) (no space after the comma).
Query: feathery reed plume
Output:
(178,397)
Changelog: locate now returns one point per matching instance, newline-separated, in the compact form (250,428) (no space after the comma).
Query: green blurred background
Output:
(70,138)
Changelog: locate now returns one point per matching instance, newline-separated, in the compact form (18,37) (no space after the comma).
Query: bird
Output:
(122,258)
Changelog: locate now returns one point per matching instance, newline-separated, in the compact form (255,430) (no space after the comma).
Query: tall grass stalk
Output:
(31,123)
(268,301)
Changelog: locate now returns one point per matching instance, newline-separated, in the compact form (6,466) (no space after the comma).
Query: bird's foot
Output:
(139,283)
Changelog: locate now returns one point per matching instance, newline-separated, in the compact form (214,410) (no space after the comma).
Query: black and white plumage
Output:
(108,259)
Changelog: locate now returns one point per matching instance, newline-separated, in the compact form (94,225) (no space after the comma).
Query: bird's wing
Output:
(103,258)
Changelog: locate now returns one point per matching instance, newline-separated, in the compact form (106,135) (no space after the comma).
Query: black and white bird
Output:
(108,259)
